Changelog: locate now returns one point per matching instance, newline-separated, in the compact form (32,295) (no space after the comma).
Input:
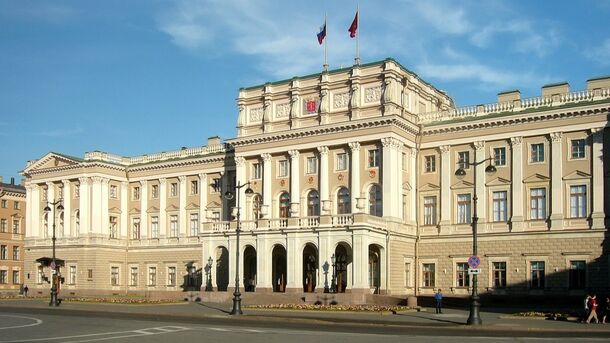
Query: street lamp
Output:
(474,317)
(237,295)
(333,285)
(54,267)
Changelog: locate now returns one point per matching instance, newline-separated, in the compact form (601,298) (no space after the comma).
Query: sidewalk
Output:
(214,312)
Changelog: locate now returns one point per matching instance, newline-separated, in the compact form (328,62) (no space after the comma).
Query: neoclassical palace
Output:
(344,182)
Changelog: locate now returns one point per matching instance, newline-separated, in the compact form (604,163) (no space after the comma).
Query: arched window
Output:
(375,201)
(313,203)
(344,204)
(257,203)
(284,205)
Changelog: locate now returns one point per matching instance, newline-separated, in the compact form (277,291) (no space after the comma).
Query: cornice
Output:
(179,163)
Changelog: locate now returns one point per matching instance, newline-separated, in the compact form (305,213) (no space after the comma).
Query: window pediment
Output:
(462,185)
(536,178)
(499,181)
(577,175)
(192,206)
(429,187)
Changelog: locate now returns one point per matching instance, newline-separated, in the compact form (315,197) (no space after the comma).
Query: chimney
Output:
(12,181)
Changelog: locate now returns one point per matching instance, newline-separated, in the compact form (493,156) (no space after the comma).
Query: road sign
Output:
(474,261)
(474,271)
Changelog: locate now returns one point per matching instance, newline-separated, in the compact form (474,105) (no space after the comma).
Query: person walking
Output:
(25,290)
(438,297)
(606,310)
(593,309)
(585,315)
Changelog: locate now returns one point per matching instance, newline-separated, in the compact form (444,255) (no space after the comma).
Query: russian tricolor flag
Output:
(322,33)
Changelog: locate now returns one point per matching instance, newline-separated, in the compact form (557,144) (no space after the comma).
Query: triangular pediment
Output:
(462,185)
(429,187)
(213,205)
(134,211)
(536,178)
(192,206)
(172,208)
(153,209)
(499,181)
(114,209)
(406,186)
(50,161)
(577,175)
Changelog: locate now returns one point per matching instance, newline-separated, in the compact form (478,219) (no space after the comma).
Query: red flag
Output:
(354,27)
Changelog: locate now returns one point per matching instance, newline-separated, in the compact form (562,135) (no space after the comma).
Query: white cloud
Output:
(600,54)
(523,36)
(444,16)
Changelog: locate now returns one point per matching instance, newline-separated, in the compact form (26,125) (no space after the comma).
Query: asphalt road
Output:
(38,327)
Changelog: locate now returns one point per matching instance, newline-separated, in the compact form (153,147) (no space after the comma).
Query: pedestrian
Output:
(593,309)
(585,315)
(25,290)
(439,301)
(606,310)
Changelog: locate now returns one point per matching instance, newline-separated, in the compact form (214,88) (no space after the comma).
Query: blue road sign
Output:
(474,262)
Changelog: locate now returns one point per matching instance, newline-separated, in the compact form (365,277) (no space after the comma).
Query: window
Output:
(343,201)
(171,276)
(282,168)
(499,206)
(403,161)
(16,225)
(77,221)
(216,185)
(16,205)
(113,192)
(154,191)
(462,278)
(152,276)
(313,203)
(114,276)
(257,171)
(578,201)
(537,153)
(194,187)
(16,278)
(3,225)
(464,159)
(537,270)
(173,189)
(284,205)
(499,274)
(375,201)
(135,193)
(135,227)
(133,276)
(4,203)
(40,275)
(312,165)
(429,274)
(113,226)
(430,162)
(577,274)
(374,158)
(3,276)
(538,203)
(3,252)
(578,148)
(342,161)
(407,274)
(72,275)
(90,274)
(463,205)
(173,225)
(194,224)
(500,156)
(154,227)
(76,191)
(15,253)
(430,210)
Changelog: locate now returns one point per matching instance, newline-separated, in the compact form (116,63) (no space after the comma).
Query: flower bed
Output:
(122,300)
(349,308)
(545,315)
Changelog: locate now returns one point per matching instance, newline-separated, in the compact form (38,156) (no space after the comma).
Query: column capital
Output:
(354,146)
(514,141)
(105,180)
(97,179)
(266,157)
(390,142)
(143,183)
(65,182)
(293,154)
(124,184)
(240,161)
(49,184)
(84,180)
(478,145)
(162,181)
(203,177)
(182,178)
(444,149)
(323,150)
(556,137)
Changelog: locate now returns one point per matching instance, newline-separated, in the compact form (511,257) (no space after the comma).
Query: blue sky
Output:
(136,77)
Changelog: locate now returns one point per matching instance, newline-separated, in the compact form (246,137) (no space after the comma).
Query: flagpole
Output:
(357,60)
(325,66)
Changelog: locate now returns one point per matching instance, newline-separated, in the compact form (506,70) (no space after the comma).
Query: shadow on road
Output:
(214,308)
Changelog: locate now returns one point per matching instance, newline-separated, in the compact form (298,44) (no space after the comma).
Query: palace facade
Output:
(344,182)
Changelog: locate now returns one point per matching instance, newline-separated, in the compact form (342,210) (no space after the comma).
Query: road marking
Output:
(103,336)
(36,322)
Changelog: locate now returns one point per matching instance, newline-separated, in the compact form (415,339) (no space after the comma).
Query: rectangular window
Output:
(76,191)
(3,277)
(499,274)
(257,171)
(430,210)
(194,187)
(537,152)
(374,158)
(194,224)
(114,276)
(404,161)
(430,164)
(500,156)
(173,226)
(407,274)
(90,274)
(500,202)
(113,192)
(342,161)
(135,193)
(537,272)
(154,227)
(462,279)
(3,252)
(464,159)
(3,225)
(282,168)
(16,278)
(463,206)
(15,253)
(152,276)
(577,274)
(133,276)
(16,225)
(173,189)
(5,203)
(154,191)
(312,165)
(578,148)
(216,185)
(538,203)
(429,275)
(135,228)
(16,205)
(72,275)
(171,276)
(578,201)
(112,226)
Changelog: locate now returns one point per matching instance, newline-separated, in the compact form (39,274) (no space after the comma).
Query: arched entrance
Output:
(249,268)
(341,260)
(374,268)
(222,269)
(310,268)
(278,257)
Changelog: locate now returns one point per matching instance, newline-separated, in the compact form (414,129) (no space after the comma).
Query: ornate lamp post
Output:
(474,317)
(57,205)
(333,284)
(237,295)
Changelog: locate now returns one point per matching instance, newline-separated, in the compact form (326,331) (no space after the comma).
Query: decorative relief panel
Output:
(256,114)
(341,100)
(282,110)
(372,94)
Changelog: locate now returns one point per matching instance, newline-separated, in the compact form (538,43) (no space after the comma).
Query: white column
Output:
(389,173)
(398,191)
(84,205)
(144,210)
(52,213)
(293,256)
(203,200)
(556,195)
(479,155)
(597,155)
(323,173)
(124,210)
(163,208)
(517,183)
(28,211)
(240,175)
(446,171)
(36,225)
(182,207)
(96,204)
(413,192)
(355,175)
(360,261)
(267,183)
(67,208)
(264,264)
(295,190)
(105,229)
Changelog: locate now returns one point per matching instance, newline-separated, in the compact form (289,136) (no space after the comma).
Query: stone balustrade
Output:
(156,157)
